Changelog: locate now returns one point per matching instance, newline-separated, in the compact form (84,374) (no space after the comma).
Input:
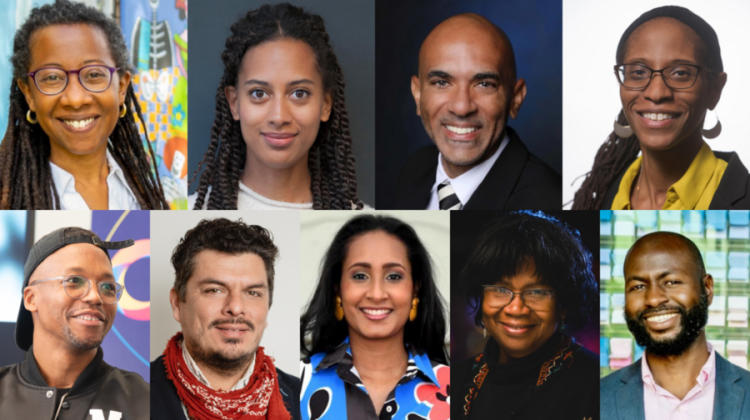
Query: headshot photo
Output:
(222,347)
(469,105)
(656,123)
(76,319)
(674,314)
(76,129)
(525,287)
(373,325)
(282,105)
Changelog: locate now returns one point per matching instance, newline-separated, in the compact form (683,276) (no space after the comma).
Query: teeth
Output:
(79,124)
(661,318)
(516,328)
(376,312)
(87,318)
(657,117)
(460,130)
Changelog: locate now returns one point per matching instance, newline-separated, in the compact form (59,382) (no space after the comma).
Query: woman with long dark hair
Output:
(373,332)
(280,138)
(72,141)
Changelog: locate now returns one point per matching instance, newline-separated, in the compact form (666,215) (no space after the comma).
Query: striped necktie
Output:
(447,197)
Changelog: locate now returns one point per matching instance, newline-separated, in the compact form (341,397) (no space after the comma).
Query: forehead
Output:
(663,40)
(234,270)
(659,256)
(526,277)
(69,46)
(85,256)
(282,60)
(377,247)
(468,51)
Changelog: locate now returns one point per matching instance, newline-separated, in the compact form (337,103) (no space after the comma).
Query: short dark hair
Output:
(508,244)
(223,235)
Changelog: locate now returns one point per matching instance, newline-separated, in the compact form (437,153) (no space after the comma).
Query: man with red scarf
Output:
(214,368)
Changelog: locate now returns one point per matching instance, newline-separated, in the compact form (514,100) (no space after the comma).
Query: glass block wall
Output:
(724,240)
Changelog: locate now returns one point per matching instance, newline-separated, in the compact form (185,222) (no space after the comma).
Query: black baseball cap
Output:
(39,252)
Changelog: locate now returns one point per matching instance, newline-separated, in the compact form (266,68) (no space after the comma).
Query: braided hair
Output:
(25,174)
(330,159)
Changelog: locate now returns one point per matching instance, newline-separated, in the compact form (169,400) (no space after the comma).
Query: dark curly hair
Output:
(330,159)
(25,174)
(508,244)
(226,236)
(426,333)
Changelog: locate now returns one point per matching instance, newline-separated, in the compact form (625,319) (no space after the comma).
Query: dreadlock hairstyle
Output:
(25,174)
(617,153)
(330,159)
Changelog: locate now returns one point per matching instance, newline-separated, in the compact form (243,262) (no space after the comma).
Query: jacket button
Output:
(50,394)
(66,405)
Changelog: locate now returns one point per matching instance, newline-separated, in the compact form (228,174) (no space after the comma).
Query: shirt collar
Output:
(65,183)
(705,376)
(465,184)
(196,371)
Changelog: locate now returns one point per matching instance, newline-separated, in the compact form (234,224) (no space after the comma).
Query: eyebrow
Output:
(439,73)
(535,284)
(487,75)
(661,275)
(225,285)
(96,60)
(292,83)
(386,265)
(673,62)
(82,271)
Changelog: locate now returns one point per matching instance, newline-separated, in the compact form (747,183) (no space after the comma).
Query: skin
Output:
(669,150)
(466,79)
(279,90)
(223,288)
(82,154)
(659,274)
(542,324)
(54,312)
(376,274)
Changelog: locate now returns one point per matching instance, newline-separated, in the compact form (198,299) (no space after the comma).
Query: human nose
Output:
(377,290)
(516,305)
(234,305)
(279,113)
(74,94)
(92,296)
(657,89)
(655,296)
(461,102)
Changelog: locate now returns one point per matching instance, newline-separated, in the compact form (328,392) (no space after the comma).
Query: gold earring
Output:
(413,312)
(123,110)
(29,119)
(339,312)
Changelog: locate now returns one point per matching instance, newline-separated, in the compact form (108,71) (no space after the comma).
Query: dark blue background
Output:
(535,30)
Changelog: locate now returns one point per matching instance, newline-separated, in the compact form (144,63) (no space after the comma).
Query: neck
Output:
(380,356)
(290,184)
(219,379)
(89,169)
(62,364)
(677,374)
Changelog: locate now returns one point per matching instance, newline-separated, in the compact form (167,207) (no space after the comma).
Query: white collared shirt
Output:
(465,184)
(120,195)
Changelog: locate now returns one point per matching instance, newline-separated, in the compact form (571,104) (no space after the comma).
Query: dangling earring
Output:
(339,311)
(413,312)
(623,131)
(563,326)
(712,133)
(123,110)
(29,119)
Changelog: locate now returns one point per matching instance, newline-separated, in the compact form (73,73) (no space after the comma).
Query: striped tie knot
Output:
(447,196)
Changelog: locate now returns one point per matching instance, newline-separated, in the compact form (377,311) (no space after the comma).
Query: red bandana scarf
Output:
(260,399)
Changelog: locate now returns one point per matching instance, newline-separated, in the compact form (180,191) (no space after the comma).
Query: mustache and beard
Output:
(82,343)
(692,322)
(224,363)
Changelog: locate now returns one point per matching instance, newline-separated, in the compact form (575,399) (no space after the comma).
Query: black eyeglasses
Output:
(499,297)
(78,286)
(638,76)
(52,80)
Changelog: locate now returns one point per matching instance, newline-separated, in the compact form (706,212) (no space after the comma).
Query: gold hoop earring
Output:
(413,311)
(123,110)
(29,119)
(339,311)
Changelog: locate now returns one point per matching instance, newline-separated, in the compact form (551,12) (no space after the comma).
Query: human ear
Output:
(27,94)
(327,105)
(717,86)
(174,300)
(519,93)
(708,283)
(122,89)
(416,92)
(231,94)
(29,299)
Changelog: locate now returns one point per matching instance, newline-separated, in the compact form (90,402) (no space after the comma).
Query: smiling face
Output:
(59,320)
(280,102)
(77,121)
(517,329)
(224,312)
(662,117)
(376,286)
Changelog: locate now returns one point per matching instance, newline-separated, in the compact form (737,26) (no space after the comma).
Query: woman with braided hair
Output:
(670,71)
(280,137)
(72,140)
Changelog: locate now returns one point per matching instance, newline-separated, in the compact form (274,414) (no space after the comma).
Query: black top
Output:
(517,181)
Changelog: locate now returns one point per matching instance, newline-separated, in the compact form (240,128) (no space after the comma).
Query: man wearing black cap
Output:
(69,303)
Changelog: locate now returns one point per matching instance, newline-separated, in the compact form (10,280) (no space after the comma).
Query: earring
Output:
(29,119)
(123,110)
(562,325)
(339,311)
(623,131)
(712,133)
(413,312)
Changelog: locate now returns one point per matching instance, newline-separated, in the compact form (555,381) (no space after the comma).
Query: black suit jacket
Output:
(517,181)
(166,405)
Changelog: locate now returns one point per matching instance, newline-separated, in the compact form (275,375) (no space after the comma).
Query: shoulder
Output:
(726,371)
(535,170)
(614,381)
(420,160)
(462,372)
(288,381)
(131,383)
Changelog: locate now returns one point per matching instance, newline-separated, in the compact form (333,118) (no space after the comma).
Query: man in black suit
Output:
(465,91)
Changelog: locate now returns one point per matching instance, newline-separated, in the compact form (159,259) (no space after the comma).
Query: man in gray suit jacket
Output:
(667,295)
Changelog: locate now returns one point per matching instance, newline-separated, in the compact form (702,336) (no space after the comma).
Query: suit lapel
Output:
(733,184)
(629,398)
(728,397)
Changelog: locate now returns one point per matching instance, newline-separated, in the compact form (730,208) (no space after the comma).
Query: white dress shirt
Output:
(120,195)
(465,184)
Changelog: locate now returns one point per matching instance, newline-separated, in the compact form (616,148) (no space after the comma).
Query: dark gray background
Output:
(351,26)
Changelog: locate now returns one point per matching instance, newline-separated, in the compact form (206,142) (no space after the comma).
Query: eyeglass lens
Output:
(534,299)
(77,287)
(52,81)
(639,76)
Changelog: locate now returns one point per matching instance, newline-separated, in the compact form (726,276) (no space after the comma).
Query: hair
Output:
(330,159)
(426,334)
(228,237)
(509,244)
(25,174)
(690,247)
(617,153)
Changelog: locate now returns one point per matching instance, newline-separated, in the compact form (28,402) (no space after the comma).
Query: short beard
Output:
(221,364)
(76,342)
(692,322)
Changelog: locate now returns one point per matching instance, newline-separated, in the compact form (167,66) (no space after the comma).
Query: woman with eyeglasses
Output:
(529,283)
(671,74)
(72,141)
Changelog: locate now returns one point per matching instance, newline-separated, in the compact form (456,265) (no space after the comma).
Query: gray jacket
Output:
(101,392)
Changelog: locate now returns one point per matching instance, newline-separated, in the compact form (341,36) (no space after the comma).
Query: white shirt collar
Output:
(465,184)
(196,371)
(120,195)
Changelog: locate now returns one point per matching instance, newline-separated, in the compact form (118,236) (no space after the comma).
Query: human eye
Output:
(681,72)
(212,291)
(636,287)
(75,281)
(536,292)
(673,282)
(258,94)
(359,276)
(255,293)
(487,84)
(300,94)
(441,83)
(394,276)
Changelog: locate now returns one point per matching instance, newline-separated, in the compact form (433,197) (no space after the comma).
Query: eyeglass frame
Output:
(98,291)
(513,294)
(112,71)
(663,78)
